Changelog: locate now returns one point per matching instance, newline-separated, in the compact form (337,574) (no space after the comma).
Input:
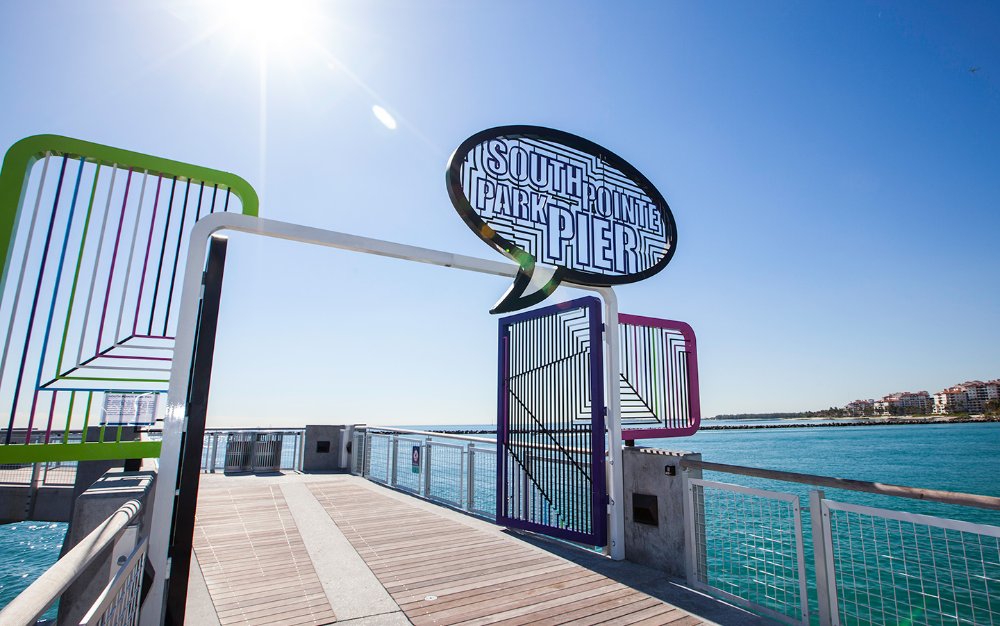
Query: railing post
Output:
(366,456)
(394,469)
(689,531)
(215,450)
(461,478)
(426,460)
(824,588)
(470,487)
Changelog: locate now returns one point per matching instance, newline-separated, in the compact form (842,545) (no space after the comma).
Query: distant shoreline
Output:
(842,422)
(870,421)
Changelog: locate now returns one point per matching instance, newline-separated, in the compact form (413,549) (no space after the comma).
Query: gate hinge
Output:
(604,410)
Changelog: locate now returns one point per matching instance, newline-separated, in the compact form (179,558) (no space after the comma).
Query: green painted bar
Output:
(93,451)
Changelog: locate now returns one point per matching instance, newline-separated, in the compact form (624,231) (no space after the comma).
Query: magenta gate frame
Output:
(683,426)
(554,476)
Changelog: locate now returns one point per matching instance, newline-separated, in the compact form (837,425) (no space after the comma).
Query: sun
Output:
(267,25)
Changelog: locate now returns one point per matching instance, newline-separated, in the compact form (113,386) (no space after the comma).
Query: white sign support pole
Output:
(612,398)
(175,417)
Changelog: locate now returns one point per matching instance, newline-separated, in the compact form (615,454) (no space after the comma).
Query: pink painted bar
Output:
(694,398)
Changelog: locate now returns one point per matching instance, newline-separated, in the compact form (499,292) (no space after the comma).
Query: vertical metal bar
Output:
(470,487)
(425,459)
(800,558)
(215,450)
(393,470)
(819,555)
(689,539)
(831,575)
(190,466)
(302,449)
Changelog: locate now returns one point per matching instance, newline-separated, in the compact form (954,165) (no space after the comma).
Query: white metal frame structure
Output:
(773,508)
(175,417)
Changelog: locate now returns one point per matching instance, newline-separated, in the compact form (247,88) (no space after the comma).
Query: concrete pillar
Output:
(654,508)
(96,504)
(324,447)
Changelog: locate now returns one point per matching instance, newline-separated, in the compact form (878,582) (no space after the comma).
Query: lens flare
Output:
(385,117)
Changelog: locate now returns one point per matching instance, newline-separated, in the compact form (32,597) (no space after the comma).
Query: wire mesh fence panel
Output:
(747,547)
(15,473)
(891,567)
(407,470)
(482,482)
(120,602)
(59,473)
(379,458)
(445,462)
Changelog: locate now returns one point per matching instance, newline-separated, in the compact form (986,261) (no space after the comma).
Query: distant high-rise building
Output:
(968,397)
(904,403)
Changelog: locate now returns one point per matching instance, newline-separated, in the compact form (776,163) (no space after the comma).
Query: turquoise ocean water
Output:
(955,457)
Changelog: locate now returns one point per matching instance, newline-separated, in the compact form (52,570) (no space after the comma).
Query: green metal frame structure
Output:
(40,246)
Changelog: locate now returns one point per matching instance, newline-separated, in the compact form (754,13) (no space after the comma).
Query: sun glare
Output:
(268,24)
(385,117)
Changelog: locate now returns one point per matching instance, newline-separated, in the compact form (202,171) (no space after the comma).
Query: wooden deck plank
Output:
(254,562)
(583,608)
(474,576)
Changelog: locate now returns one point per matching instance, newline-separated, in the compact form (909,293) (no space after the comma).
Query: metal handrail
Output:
(29,606)
(375,430)
(110,593)
(427,433)
(915,493)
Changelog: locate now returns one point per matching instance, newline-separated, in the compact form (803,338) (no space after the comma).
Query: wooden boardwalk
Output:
(253,559)
(409,562)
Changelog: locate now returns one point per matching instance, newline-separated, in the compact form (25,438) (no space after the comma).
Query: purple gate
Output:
(550,422)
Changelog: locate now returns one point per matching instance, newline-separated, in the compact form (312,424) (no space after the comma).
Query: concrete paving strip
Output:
(199,608)
(355,595)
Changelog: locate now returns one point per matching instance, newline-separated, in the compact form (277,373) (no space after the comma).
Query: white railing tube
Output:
(823,587)
(427,468)
(31,604)
(394,470)
(470,497)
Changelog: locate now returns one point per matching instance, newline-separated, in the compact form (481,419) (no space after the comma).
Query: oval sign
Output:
(543,196)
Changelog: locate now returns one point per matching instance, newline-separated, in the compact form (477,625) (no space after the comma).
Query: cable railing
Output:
(824,561)
(118,603)
(455,470)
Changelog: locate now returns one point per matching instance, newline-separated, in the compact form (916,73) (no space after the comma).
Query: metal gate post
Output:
(612,396)
(470,497)
(426,460)
(823,587)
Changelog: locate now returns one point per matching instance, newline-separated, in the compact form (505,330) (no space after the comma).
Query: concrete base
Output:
(46,503)
(323,448)
(92,508)
(654,508)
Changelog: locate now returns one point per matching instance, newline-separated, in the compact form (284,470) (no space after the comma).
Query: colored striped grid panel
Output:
(658,378)
(95,239)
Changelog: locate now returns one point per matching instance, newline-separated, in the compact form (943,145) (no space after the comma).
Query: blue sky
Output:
(832,167)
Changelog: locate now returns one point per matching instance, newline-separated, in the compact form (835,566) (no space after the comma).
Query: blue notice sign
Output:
(415,467)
